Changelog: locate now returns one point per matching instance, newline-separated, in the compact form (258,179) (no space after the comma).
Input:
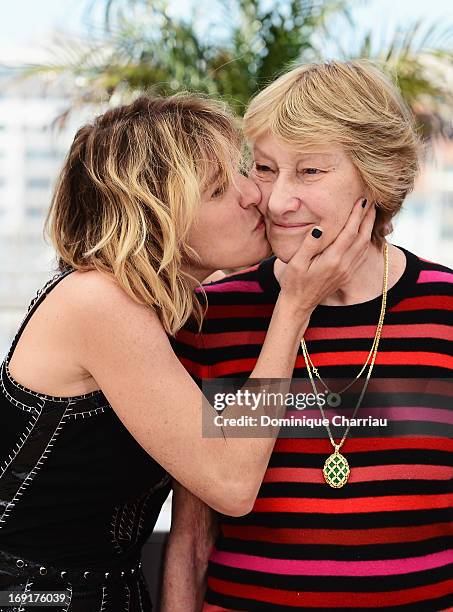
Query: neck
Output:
(198,274)
(366,282)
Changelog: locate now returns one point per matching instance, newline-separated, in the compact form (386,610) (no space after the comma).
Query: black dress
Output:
(78,497)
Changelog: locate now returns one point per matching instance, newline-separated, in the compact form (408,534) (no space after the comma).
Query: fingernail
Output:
(364,201)
(316,233)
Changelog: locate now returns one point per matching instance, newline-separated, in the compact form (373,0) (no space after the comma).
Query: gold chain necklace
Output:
(336,467)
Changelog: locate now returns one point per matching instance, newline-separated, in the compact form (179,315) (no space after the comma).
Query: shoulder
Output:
(96,299)
(435,278)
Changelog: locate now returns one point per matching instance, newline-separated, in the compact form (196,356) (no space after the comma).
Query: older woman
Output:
(339,522)
(96,411)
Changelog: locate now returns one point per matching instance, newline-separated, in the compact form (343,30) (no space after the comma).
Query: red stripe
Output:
(187,337)
(424,302)
(225,339)
(309,599)
(196,369)
(369,473)
(436,302)
(343,358)
(414,330)
(237,366)
(240,311)
(233,339)
(340,537)
(357,445)
(388,503)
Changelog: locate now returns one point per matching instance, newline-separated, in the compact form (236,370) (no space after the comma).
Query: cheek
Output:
(334,203)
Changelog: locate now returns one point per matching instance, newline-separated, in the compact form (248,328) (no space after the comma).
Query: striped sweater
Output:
(383,541)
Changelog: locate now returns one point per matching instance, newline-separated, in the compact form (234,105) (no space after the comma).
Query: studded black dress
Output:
(78,497)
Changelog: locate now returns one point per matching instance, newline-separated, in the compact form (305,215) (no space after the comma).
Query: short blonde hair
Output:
(351,104)
(129,191)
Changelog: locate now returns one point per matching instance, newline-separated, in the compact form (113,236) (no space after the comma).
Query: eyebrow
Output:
(301,156)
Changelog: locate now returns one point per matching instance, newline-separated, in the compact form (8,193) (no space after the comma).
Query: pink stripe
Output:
(290,567)
(424,330)
(391,413)
(364,474)
(413,413)
(242,286)
(435,276)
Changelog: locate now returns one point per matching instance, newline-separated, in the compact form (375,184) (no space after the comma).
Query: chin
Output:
(243,258)
(284,251)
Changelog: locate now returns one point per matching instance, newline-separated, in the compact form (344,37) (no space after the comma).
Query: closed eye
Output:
(217,193)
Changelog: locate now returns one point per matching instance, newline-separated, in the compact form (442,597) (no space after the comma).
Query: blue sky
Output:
(30,21)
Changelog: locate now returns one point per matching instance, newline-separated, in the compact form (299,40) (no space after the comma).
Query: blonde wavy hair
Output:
(352,104)
(129,191)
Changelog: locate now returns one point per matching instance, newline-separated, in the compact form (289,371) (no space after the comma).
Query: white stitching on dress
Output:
(127,521)
(27,587)
(69,589)
(156,487)
(32,303)
(19,445)
(50,398)
(138,583)
(104,598)
(129,517)
(113,531)
(88,413)
(35,469)
(128,597)
(15,383)
(12,399)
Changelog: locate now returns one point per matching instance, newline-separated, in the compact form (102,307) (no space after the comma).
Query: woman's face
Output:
(229,230)
(303,189)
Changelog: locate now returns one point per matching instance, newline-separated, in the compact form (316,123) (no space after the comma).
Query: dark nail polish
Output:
(316,233)
(364,201)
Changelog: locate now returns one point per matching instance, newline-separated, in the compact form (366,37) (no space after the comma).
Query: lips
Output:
(260,223)
(290,225)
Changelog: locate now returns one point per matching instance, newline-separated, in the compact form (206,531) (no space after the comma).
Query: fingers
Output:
(366,227)
(310,247)
(349,244)
(349,233)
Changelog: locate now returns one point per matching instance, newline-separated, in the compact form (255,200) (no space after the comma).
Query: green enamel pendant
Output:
(336,470)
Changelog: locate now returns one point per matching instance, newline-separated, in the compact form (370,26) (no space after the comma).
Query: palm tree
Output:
(241,49)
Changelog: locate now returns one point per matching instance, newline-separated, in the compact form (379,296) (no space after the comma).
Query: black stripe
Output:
(369,520)
(350,552)
(331,584)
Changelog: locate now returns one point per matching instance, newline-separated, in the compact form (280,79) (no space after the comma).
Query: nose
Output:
(283,198)
(250,193)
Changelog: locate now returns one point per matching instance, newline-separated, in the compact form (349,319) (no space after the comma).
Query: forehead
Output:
(273,148)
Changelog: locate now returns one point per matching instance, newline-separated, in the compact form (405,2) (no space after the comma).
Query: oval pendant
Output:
(336,470)
(334,400)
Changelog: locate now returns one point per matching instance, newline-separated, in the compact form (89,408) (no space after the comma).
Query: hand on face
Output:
(321,266)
